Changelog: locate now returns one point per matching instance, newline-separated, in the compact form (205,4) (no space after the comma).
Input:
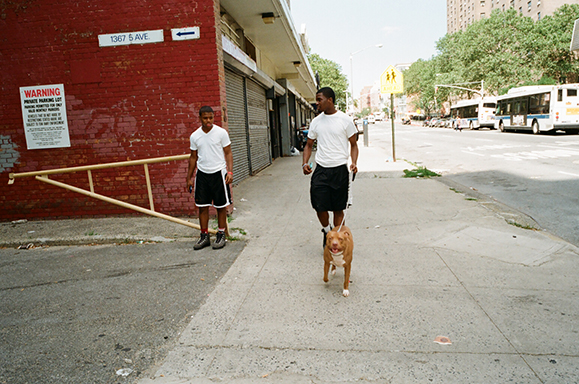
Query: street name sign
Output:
(189,33)
(128,38)
(391,81)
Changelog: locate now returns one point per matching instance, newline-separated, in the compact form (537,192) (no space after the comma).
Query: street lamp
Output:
(352,69)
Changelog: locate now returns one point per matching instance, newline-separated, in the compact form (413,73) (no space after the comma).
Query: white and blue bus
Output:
(474,114)
(539,108)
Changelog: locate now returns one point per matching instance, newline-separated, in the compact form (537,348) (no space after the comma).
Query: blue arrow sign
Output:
(185,33)
(188,33)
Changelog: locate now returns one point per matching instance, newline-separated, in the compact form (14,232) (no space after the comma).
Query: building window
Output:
(482,15)
(538,2)
(529,6)
(539,16)
(482,3)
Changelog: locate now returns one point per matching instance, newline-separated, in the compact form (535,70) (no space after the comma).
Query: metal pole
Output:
(365,121)
(352,83)
(146,211)
(392,119)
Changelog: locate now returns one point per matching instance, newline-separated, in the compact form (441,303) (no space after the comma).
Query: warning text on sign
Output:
(44,116)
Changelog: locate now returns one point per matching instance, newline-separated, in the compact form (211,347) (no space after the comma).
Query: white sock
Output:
(328,228)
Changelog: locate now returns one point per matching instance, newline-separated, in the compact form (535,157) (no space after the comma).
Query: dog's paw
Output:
(346,293)
(326,280)
(333,272)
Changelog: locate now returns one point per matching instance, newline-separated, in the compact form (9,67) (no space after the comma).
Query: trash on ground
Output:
(22,221)
(27,246)
(124,372)
(442,340)
(242,199)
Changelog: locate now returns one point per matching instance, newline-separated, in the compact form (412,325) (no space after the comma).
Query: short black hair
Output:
(328,93)
(205,109)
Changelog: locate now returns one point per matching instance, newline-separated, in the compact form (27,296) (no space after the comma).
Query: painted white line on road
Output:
(556,147)
(493,147)
(568,174)
(536,155)
(474,153)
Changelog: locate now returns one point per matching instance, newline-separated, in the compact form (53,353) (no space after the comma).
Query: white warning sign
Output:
(44,116)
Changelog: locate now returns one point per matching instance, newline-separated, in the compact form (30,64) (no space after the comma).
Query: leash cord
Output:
(350,198)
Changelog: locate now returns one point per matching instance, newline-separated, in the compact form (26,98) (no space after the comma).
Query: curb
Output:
(509,214)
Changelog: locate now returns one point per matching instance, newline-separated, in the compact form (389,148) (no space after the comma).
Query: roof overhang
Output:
(278,41)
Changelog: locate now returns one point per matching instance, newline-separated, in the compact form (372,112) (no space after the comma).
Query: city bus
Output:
(474,114)
(539,108)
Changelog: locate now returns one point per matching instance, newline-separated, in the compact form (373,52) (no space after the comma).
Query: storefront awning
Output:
(278,41)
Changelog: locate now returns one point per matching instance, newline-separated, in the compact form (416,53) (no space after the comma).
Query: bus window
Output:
(560,95)
(571,93)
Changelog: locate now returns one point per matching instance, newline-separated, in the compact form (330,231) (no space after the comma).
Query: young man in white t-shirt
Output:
(337,141)
(211,155)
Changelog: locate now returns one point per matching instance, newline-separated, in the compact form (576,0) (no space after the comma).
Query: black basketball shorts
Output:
(329,188)
(210,189)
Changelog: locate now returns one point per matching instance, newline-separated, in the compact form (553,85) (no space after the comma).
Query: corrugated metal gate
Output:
(237,120)
(257,111)
(247,114)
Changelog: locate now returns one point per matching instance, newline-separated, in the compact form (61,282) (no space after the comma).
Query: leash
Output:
(350,201)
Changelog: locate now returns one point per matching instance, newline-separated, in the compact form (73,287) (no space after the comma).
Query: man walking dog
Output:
(333,130)
(211,155)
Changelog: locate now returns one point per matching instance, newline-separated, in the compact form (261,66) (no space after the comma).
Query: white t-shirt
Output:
(209,147)
(333,133)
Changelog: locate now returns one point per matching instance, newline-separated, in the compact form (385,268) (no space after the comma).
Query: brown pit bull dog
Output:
(338,253)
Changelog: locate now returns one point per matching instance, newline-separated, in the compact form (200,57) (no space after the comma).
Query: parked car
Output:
(371,119)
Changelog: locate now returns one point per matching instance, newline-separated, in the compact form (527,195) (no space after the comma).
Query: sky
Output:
(408,30)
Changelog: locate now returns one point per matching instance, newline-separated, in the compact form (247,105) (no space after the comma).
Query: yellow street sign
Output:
(391,81)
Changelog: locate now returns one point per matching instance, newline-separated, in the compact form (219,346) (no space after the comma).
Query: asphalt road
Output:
(535,174)
(81,314)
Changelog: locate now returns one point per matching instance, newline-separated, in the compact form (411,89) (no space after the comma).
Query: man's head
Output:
(325,99)
(206,116)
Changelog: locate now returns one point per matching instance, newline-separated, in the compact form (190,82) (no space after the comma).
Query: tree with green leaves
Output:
(505,50)
(556,59)
(331,76)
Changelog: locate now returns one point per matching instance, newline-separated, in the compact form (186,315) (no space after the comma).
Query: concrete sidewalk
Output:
(429,261)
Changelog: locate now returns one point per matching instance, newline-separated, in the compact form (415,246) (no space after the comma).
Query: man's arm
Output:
(229,162)
(354,153)
(306,156)
(191,169)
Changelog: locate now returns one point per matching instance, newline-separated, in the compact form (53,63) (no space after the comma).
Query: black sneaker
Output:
(219,241)
(202,242)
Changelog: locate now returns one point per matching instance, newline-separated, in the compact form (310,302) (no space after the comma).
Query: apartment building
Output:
(461,13)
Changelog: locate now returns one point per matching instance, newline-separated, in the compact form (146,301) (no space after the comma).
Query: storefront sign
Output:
(44,116)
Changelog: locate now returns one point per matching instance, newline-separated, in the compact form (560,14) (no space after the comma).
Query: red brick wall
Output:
(123,103)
